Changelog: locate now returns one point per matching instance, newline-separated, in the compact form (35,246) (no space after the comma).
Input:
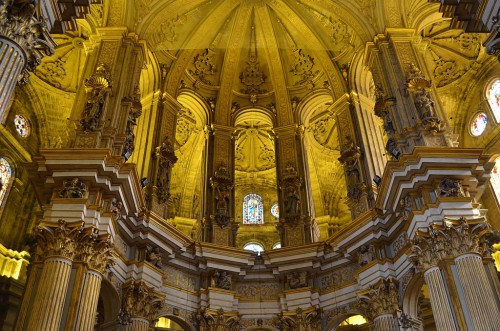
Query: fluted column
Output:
(138,324)
(441,307)
(23,41)
(56,242)
(478,293)
(381,303)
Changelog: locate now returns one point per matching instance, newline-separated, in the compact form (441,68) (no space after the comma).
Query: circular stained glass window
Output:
(275,210)
(478,124)
(22,126)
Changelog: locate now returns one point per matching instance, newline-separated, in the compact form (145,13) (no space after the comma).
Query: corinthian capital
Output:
(95,250)
(380,299)
(140,301)
(449,239)
(58,239)
(19,23)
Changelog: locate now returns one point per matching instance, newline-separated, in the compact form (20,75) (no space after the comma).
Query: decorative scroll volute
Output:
(97,87)
(166,159)
(19,23)
(139,301)
(57,239)
(450,239)
(381,299)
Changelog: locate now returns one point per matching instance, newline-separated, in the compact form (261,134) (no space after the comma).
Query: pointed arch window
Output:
(253,209)
(493,97)
(5,178)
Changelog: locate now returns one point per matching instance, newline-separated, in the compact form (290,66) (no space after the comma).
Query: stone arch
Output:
(108,307)
(335,321)
(186,326)
(411,295)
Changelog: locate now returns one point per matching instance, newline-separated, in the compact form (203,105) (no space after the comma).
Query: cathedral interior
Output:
(273,165)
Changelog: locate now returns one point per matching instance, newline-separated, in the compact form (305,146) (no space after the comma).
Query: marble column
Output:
(57,243)
(478,293)
(381,303)
(138,324)
(23,42)
(441,306)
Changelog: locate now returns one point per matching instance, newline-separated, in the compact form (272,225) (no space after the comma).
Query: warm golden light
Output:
(163,322)
(496,256)
(12,263)
(354,320)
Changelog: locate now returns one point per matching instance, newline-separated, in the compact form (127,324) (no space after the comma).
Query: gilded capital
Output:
(380,299)
(449,239)
(139,301)
(57,239)
(309,319)
(95,250)
(218,320)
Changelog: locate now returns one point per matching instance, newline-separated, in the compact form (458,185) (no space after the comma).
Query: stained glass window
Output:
(253,211)
(493,96)
(275,210)
(478,124)
(254,247)
(22,126)
(5,174)
(495,178)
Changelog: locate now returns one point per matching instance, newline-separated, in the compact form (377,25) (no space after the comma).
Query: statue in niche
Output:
(366,255)
(450,188)
(292,201)
(154,256)
(116,207)
(425,105)
(222,200)
(97,87)
(221,279)
(297,279)
(388,124)
(73,188)
(406,207)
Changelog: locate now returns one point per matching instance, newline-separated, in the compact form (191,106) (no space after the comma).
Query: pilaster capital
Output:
(57,239)
(380,299)
(139,301)
(18,22)
(308,319)
(209,319)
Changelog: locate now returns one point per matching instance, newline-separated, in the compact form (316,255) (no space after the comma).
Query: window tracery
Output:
(253,210)
(478,124)
(5,177)
(22,126)
(493,97)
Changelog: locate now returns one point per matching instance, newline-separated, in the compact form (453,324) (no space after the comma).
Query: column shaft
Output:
(87,308)
(441,308)
(12,62)
(138,324)
(479,296)
(384,323)
(51,294)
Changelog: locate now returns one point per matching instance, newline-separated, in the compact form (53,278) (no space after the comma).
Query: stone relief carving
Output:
(450,188)
(97,88)
(406,205)
(338,278)
(399,243)
(221,279)
(154,256)
(73,188)
(303,67)
(297,279)
(204,66)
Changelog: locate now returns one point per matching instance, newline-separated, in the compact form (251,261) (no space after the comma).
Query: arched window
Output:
(493,97)
(254,247)
(5,178)
(495,179)
(478,124)
(253,211)
(277,245)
